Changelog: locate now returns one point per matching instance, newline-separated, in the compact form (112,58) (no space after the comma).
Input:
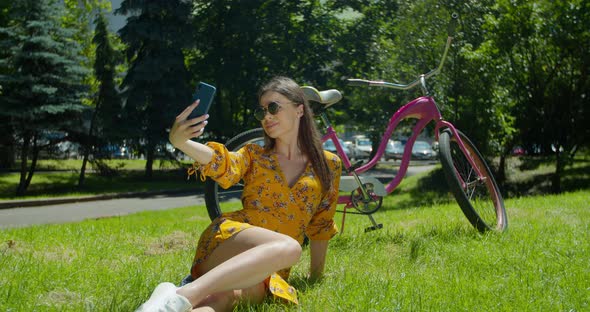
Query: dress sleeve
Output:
(226,168)
(322,226)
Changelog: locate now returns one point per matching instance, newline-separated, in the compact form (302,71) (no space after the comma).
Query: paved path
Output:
(72,212)
(78,211)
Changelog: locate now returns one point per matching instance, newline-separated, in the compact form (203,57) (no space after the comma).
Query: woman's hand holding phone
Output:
(185,129)
(191,123)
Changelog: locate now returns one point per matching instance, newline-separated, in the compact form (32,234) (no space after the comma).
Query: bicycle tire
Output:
(212,191)
(479,199)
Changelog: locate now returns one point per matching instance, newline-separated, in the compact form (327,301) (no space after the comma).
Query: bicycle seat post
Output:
(324,119)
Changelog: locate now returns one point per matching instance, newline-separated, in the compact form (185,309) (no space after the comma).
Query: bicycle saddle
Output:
(326,97)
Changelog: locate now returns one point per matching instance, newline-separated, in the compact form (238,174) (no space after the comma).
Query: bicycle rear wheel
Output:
(478,197)
(214,196)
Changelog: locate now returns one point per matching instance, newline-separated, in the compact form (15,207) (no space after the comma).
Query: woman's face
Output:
(285,123)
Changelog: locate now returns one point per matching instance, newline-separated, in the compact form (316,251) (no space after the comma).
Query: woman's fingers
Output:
(185,129)
(187,111)
(197,120)
(197,129)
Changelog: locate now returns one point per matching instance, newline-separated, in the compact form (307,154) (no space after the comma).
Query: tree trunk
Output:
(559,166)
(149,161)
(21,189)
(33,163)
(88,146)
(82,176)
(501,174)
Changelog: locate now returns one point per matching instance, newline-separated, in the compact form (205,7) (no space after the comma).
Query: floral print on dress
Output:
(268,201)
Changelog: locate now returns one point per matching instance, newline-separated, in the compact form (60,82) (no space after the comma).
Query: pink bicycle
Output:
(467,173)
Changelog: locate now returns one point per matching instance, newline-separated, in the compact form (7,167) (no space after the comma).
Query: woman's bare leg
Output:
(227,300)
(241,262)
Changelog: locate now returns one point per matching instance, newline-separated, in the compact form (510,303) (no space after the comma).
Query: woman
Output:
(290,191)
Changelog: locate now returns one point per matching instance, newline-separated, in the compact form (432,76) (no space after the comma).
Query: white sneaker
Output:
(165,299)
(177,303)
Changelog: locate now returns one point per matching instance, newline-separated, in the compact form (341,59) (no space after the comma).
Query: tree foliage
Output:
(44,89)
(240,44)
(545,44)
(155,88)
(107,109)
(517,73)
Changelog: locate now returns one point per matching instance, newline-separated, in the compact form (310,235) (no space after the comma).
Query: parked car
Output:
(423,150)
(114,151)
(67,150)
(329,146)
(394,150)
(518,151)
(361,147)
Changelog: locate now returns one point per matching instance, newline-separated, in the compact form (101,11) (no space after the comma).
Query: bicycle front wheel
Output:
(214,196)
(478,196)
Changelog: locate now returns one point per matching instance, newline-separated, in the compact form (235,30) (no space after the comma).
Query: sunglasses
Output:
(273,108)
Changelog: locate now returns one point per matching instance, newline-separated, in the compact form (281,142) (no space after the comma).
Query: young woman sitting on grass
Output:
(290,191)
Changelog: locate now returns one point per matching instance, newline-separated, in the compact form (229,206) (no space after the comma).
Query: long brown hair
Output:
(308,131)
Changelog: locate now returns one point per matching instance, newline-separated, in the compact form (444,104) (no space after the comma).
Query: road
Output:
(73,212)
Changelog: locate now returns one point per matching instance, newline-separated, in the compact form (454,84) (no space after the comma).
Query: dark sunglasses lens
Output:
(259,113)
(273,108)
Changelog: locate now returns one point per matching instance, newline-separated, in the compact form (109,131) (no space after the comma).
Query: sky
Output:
(116,22)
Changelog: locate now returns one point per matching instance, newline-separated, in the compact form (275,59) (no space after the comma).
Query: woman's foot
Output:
(165,299)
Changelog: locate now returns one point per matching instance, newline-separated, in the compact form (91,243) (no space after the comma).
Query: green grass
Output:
(58,178)
(76,164)
(533,175)
(64,183)
(427,258)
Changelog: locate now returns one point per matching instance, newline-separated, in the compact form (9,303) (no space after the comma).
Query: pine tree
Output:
(7,138)
(156,85)
(43,92)
(107,111)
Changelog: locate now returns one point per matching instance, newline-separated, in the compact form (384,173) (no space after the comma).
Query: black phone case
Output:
(205,93)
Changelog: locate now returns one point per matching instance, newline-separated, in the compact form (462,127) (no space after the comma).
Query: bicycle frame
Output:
(425,110)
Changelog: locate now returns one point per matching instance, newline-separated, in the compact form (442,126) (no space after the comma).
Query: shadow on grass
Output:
(574,178)
(64,183)
(432,188)
(302,283)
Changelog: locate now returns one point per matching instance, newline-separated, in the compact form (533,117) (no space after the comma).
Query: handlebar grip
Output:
(453,24)
(358,82)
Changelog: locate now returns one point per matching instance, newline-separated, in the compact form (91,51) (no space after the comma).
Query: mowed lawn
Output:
(426,258)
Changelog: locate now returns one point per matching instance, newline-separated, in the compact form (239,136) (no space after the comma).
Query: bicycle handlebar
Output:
(370,83)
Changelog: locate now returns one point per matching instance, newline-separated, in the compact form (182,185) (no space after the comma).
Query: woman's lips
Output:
(270,125)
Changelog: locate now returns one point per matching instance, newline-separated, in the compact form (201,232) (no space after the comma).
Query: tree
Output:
(7,142)
(44,90)
(107,110)
(545,46)
(240,44)
(156,85)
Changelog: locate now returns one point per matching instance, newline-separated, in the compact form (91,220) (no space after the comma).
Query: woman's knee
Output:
(289,250)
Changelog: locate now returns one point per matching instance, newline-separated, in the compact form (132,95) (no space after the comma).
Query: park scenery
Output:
(89,90)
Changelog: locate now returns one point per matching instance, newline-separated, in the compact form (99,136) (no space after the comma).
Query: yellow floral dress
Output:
(268,202)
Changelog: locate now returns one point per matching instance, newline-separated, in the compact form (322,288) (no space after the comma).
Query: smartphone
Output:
(205,93)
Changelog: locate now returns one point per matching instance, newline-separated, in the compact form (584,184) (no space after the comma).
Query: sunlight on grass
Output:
(64,184)
(425,258)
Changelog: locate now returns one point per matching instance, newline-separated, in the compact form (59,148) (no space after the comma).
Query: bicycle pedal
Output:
(373,228)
